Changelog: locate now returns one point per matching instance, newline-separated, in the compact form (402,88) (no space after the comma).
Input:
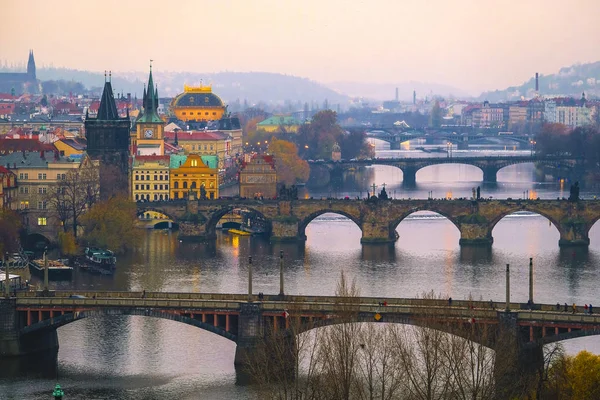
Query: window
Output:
(176,185)
(42,190)
(24,189)
(24,175)
(205,147)
(137,187)
(211,147)
(155,196)
(137,178)
(42,221)
(42,176)
(193,147)
(183,113)
(42,205)
(137,196)
(155,188)
(24,205)
(167,188)
(214,113)
(142,177)
(185,185)
(194,163)
(147,187)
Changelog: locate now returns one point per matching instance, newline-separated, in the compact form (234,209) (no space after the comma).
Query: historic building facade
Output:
(8,188)
(258,177)
(150,178)
(193,174)
(198,103)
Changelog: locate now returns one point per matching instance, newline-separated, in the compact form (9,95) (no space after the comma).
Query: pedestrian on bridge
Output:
(574,308)
(566,309)
(557,306)
(591,308)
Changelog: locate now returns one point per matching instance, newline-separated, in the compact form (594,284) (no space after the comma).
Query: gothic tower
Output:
(107,138)
(31,66)
(148,139)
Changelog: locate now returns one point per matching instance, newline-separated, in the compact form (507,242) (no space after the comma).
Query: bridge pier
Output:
(285,229)
(194,232)
(409,176)
(490,174)
(574,232)
(13,343)
(377,232)
(475,234)
(250,332)
(518,361)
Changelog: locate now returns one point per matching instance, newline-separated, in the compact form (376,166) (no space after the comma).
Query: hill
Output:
(387,91)
(568,81)
(230,86)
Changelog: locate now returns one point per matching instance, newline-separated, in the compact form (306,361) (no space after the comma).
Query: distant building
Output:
(20,82)
(280,124)
(69,147)
(203,143)
(198,103)
(258,177)
(336,152)
(8,188)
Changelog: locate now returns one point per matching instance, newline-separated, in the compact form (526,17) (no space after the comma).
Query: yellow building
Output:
(190,173)
(150,178)
(68,147)
(203,143)
(279,124)
(148,138)
(198,103)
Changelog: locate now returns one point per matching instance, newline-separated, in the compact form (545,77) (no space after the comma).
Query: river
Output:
(146,358)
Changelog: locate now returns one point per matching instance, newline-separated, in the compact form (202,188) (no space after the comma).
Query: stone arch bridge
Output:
(378,219)
(489,165)
(29,321)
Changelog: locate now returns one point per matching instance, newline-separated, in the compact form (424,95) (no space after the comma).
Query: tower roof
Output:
(150,114)
(108,109)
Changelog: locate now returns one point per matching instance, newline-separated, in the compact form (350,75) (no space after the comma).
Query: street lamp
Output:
(532,143)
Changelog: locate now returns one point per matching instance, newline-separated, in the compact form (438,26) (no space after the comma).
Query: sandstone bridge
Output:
(29,320)
(490,165)
(378,219)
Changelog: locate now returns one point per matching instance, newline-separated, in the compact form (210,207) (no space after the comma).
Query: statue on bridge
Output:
(383,194)
(202,193)
(290,193)
(574,192)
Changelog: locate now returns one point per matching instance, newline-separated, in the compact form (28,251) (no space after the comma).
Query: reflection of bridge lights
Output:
(533,194)
(449,195)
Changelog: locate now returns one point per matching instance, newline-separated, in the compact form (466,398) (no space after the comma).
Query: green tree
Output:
(111,224)
(435,119)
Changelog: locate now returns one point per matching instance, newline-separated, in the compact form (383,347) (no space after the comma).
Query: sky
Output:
(473,45)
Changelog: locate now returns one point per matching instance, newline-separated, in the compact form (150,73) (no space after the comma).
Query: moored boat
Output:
(101,258)
(57,270)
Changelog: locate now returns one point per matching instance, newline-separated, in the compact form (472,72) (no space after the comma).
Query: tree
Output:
(574,378)
(75,194)
(111,224)
(290,168)
(67,243)
(10,224)
(435,120)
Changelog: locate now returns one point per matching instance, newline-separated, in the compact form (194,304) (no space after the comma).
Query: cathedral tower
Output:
(148,139)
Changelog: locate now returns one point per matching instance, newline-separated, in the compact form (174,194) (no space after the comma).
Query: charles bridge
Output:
(378,219)
(488,164)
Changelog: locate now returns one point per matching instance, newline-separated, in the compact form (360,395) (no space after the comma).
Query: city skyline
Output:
(460,44)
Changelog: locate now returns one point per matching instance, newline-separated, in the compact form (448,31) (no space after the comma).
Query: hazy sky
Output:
(470,44)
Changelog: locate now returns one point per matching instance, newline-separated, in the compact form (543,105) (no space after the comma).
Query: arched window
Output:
(185,185)
(137,196)
(176,185)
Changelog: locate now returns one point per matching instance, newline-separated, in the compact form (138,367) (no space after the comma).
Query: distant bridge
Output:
(490,165)
(378,219)
(29,321)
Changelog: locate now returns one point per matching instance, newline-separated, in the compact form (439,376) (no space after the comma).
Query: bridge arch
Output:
(574,334)
(151,211)
(58,321)
(303,223)
(215,217)
(531,209)
(424,166)
(36,240)
(394,223)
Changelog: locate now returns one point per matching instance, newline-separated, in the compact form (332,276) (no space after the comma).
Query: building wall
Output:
(8,189)
(258,178)
(65,149)
(150,181)
(190,176)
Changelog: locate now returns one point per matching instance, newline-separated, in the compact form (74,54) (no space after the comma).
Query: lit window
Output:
(42,221)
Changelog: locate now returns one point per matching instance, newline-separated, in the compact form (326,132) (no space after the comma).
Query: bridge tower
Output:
(12,342)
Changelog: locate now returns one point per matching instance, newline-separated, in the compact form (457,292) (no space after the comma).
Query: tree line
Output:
(351,360)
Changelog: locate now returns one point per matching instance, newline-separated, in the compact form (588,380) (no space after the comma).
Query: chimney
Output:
(537,85)
(396,94)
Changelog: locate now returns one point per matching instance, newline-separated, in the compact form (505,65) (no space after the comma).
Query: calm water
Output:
(145,358)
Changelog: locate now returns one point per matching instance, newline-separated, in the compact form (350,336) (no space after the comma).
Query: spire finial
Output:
(151,64)
(105,76)
(110,76)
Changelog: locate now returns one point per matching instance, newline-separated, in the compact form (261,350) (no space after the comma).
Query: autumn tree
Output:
(436,116)
(10,225)
(290,168)
(574,378)
(111,224)
(317,138)
(552,139)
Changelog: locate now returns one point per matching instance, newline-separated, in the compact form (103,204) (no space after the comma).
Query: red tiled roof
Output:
(5,171)
(152,158)
(196,135)
(13,145)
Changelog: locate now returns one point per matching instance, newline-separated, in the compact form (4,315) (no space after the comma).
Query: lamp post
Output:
(281,293)
(532,143)
(249,279)
(507,287)
(6,275)
(46,269)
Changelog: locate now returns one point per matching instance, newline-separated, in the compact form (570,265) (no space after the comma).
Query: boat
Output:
(96,257)
(57,270)
(238,232)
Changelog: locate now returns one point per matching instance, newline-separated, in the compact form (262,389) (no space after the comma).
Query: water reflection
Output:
(385,252)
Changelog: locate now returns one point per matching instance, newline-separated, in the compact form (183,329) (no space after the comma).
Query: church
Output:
(18,83)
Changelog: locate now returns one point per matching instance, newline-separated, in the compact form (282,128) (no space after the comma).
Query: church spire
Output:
(108,109)
(150,101)
(31,66)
